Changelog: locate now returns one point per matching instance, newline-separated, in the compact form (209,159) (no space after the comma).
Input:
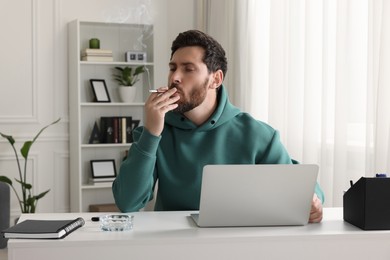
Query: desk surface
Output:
(166,235)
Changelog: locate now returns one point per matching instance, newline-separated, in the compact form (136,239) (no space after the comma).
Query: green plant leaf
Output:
(126,73)
(128,76)
(6,180)
(10,139)
(139,70)
(26,185)
(27,204)
(30,201)
(27,145)
(55,122)
(26,148)
(41,195)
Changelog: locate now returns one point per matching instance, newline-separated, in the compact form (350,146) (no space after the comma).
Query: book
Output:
(96,58)
(117,129)
(96,52)
(93,181)
(123,127)
(96,55)
(40,229)
(107,129)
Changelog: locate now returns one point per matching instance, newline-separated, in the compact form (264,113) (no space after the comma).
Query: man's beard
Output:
(196,97)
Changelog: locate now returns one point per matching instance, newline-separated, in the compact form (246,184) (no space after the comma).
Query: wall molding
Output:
(61,203)
(33,117)
(202,13)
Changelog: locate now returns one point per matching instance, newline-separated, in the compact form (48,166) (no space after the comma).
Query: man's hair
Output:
(214,55)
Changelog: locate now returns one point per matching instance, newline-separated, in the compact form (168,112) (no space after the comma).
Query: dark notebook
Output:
(43,228)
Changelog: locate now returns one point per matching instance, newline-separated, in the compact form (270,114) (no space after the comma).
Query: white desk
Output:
(173,235)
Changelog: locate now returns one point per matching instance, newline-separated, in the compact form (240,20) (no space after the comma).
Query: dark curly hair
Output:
(214,56)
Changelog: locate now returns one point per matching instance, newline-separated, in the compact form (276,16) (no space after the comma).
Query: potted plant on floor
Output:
(27,201)
(127,77)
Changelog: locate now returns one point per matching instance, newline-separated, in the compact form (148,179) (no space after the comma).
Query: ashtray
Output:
(116,222)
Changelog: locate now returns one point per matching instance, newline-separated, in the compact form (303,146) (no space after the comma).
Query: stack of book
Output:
(117,129)
(96,55)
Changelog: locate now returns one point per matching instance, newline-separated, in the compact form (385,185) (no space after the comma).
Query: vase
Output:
(127,94)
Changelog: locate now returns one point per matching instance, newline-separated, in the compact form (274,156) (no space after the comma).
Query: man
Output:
(189,124)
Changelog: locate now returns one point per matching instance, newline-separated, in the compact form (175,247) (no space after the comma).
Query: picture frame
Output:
(99,89)
(103,169)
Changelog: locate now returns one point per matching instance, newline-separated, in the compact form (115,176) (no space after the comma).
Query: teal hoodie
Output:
(176,158)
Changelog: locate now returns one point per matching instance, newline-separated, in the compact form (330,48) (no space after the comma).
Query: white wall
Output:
(33,78)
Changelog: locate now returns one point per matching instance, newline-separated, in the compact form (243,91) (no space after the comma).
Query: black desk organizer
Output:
(367,204)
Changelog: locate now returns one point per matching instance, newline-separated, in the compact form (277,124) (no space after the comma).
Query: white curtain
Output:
(317,71)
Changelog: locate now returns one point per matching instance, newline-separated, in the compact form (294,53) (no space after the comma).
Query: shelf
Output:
(85,114)
(97,186)
(120,63)
(91,146)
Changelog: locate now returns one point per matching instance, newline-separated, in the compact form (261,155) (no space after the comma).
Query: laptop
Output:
(256,195)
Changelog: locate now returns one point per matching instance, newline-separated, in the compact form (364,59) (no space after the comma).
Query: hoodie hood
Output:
(224,112)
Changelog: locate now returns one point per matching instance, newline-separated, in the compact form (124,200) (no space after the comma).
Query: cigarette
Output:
(155,91)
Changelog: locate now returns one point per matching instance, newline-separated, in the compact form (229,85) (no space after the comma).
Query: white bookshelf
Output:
(83,112)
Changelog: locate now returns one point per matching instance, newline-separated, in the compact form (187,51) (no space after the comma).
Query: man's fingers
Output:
(316,210)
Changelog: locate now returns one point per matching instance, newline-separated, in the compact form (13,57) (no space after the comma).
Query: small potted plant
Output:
(27,201)
(127,77)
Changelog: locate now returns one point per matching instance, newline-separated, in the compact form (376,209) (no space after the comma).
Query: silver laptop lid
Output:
(256,195)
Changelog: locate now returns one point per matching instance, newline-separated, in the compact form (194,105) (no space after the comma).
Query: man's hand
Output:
(156,107)
(316,210)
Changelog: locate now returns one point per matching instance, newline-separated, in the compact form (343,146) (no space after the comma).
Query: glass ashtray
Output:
(116,222)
